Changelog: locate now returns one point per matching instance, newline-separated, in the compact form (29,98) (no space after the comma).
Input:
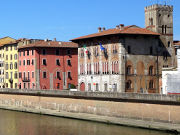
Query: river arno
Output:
(18,123)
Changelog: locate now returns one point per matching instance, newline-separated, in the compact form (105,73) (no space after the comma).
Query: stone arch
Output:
(140,78)
(129,67)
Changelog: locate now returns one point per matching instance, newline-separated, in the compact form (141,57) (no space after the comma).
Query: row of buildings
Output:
(121,59)
(37,64)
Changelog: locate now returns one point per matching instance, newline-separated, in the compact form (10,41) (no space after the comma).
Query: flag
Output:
(101,47)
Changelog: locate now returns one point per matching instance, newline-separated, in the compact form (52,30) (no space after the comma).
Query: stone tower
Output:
(159,18)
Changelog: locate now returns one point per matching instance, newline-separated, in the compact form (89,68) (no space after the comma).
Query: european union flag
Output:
(101,47)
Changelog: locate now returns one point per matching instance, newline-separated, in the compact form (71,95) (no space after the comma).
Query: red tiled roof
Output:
(132,29)
(50,44)
(176,42)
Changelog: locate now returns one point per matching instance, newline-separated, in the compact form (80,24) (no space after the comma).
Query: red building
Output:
(48,65)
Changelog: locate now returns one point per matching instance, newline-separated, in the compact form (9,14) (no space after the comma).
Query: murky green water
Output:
(18,123)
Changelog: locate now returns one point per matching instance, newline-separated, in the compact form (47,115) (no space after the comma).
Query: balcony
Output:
(26,79)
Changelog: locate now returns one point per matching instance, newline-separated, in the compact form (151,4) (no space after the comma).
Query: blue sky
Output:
(67,19)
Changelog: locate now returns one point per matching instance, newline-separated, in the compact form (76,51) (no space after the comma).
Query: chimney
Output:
(54,39)
(117,27)
(121,26)
(99,29)
(103,29)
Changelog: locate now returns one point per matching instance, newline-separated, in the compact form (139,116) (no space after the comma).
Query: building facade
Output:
(48,65)
(3,42)
(124,59)
(171,76)
(11,66)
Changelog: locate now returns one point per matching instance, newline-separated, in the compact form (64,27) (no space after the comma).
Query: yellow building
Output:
(3,41)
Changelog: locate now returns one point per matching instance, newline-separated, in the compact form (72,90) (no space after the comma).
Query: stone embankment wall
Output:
(153,107)
(152,111)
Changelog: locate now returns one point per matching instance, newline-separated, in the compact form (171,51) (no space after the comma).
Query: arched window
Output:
(151,70)
(162,29)
(129,70)
(128,84)
(151,84)
(82,53)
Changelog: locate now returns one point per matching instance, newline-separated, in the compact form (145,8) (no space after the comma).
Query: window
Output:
(15,65)
(32,62)
(96,50)
(32,74)
(58,75)
(28,75)
(15,75)
(27,52)
(129,70)
(6,57)
(165,55)
(11,57)
(129,49)
(162,29)
(44,52)
(28,62)
(24,62)
(15,56)
(7,66)
(11,48)
(57,52)
(19,63)
(105,87)
(24,75)
(151,84)
(44,62)
(33,85)
(44,75)
(151,70)
(68,52)
(57,62)
(7,76)
(89,86)
(24,85)
(114,49)
(15,47)
(15,85)
(114,87)
(169,44)
(23,53)
(128,84)
(69,62)
(151,50)
(97,87)
(19,54)
(82,53)
(11,65)
(69,75)
(28,85)
(20,75)
(32,52)
(6,48)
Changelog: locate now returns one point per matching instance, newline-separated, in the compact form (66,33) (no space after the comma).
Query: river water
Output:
(18,123)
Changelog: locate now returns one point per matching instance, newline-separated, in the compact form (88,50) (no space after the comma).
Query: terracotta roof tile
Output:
(50,44)
(132,29)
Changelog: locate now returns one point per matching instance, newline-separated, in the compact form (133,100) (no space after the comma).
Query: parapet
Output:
(159,7)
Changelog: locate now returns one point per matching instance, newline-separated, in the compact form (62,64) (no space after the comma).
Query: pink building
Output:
(48,65)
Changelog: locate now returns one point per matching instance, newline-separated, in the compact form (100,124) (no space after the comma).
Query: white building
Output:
(170,77)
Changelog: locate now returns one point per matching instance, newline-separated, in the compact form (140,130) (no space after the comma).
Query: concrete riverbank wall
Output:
(141,110)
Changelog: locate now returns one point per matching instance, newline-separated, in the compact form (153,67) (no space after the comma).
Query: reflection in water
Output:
(18,123)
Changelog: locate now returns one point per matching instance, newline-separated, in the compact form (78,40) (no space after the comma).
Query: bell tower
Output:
(159,18)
